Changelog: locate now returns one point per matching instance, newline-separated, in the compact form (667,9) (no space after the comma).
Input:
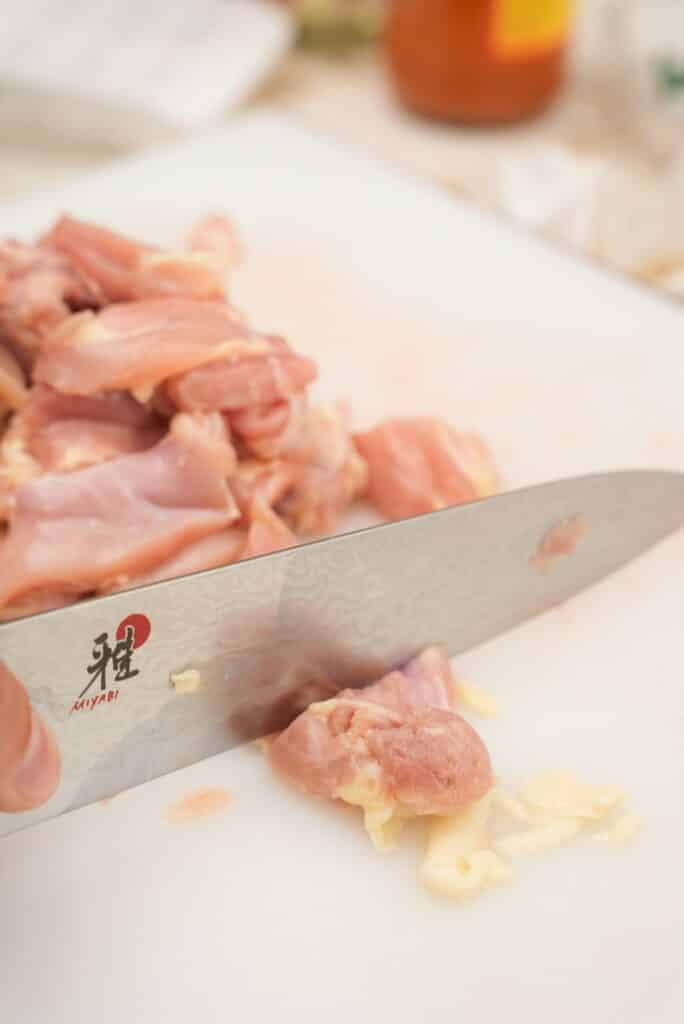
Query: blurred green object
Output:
(670,76)
(338,26)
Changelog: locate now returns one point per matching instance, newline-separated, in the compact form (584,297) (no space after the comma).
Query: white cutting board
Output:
(277,909)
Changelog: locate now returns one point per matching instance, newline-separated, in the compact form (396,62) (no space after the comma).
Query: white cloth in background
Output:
(122,72)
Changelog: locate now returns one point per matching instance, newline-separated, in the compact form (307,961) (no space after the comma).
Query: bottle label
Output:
(527,28)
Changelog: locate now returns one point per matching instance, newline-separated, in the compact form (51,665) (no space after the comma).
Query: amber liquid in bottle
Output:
(477,61)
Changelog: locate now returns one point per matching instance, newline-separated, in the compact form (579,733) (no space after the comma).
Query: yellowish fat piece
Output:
(186,682)
(73,458)
(459,862)
(621,831)
(381,818)
(559,795)
(513,807)
(143,393)
(383,826)
(557,807)
(539,838)
(477,700)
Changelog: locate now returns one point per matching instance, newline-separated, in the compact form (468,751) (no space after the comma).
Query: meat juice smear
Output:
(147,430)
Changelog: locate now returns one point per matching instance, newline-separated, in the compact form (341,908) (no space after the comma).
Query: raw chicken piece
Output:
(427,681)
(126,270)
(60,433)
(17,467)
(210,552)
(12,381)
(259,374)
(6,499)
(396,749)
(38,289)
(66,432)
(120,517)
(420,465)
(269,481)
(39,601)
(217,240)
(24,734)
(322,495)
(261,421)
(264,534)
(138,344)
(332,474)
(267,431)
(313,448)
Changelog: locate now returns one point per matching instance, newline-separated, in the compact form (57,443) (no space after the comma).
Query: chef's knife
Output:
(269,635)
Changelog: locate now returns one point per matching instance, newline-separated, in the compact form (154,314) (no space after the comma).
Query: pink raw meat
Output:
(210,552)
(331,475)
(425,682)
(7,489)
(326,471)
(126,270)
(17,467)
(66,432)
(267,372)
(261,427)
(13,389)
(136,345)
(267,480)
(217,240)
(264,534)
(400,732)
(279,429)
(38,289)
(104,340)
(421,465)
(120,517)
(39,601)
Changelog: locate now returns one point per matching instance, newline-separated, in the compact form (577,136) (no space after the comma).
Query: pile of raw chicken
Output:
(148,431)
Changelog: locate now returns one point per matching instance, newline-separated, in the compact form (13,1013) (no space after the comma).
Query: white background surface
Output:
(278,908)
(118,72)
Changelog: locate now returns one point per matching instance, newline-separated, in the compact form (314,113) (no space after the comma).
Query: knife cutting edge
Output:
(267,636)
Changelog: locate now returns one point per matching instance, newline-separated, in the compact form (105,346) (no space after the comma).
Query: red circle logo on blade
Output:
(141,627)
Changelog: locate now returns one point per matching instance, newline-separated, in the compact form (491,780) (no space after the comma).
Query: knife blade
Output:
(269,635)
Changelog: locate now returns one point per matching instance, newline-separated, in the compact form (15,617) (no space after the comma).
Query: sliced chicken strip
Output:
(121,517)
(67,432)
(39,288)
(136,345)
(127,270)
(262,535)
(421,465)
(210,552)
(269,371)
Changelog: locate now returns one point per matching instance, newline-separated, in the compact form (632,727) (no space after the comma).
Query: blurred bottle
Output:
(478,61)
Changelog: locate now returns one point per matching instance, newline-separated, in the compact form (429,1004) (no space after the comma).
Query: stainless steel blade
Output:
(269,635)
